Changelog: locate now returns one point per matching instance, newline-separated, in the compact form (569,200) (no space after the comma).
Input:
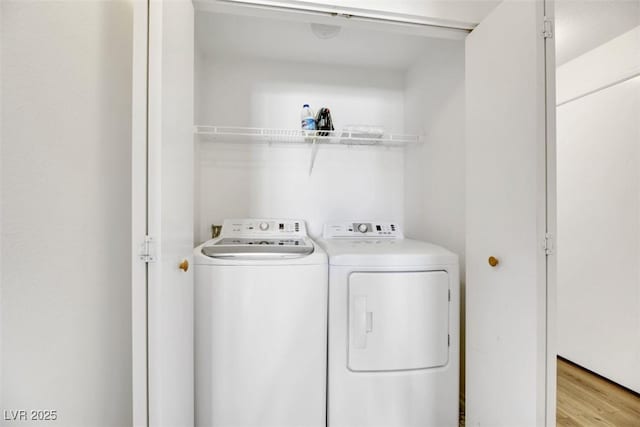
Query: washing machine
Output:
(260,326)
(393,356)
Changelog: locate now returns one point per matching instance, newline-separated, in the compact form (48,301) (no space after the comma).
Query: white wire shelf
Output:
(295,136)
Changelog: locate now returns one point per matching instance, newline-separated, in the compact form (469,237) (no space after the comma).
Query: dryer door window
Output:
(398,320)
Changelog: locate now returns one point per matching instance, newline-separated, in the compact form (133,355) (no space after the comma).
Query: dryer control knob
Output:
(264,226)
(363,228)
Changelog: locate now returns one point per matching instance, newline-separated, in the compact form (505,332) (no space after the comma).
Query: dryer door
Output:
(398,320)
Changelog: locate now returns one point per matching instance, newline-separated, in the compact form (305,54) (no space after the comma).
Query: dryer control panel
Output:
(355,229)
(263,227)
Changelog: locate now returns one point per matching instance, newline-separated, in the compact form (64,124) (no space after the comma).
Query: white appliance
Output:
(393,328)
(260,326)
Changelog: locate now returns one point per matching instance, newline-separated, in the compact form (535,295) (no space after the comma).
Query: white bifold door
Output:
(163,336)
(510,380)
(510,377)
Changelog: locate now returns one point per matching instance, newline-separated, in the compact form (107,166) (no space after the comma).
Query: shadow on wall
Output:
(435,171)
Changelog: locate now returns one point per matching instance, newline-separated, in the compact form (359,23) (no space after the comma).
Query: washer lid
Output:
(385,252)
(258,248)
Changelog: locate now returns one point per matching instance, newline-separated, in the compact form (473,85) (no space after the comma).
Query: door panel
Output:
(170,213)
(398,320)
(506,217)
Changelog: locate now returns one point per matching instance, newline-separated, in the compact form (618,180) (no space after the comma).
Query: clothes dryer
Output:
(393,357)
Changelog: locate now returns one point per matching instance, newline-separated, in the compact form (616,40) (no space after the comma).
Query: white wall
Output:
(236,180)
(581,25)
(598,141)
(434,172)
(65,225)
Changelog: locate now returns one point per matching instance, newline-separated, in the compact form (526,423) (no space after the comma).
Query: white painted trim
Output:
(433,27)
(551,220)
(611,63)
(139,213)
(542,391)
(154,188)
(632,75)
(354,12)
(1,86)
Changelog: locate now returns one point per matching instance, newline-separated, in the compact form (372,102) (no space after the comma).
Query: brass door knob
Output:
(184,265)
(493,261)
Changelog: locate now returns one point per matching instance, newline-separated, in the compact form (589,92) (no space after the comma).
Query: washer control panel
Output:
(263,227)
(369,229)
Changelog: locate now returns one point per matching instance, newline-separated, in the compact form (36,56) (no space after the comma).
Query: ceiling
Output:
(582,25)
(223,36)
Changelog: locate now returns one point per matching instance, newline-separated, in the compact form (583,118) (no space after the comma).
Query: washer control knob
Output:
(363,228)
(264,226)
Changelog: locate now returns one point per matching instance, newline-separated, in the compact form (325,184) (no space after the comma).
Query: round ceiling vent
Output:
(323,31)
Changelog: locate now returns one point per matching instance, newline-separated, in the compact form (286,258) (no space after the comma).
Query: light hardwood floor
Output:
(585,399)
